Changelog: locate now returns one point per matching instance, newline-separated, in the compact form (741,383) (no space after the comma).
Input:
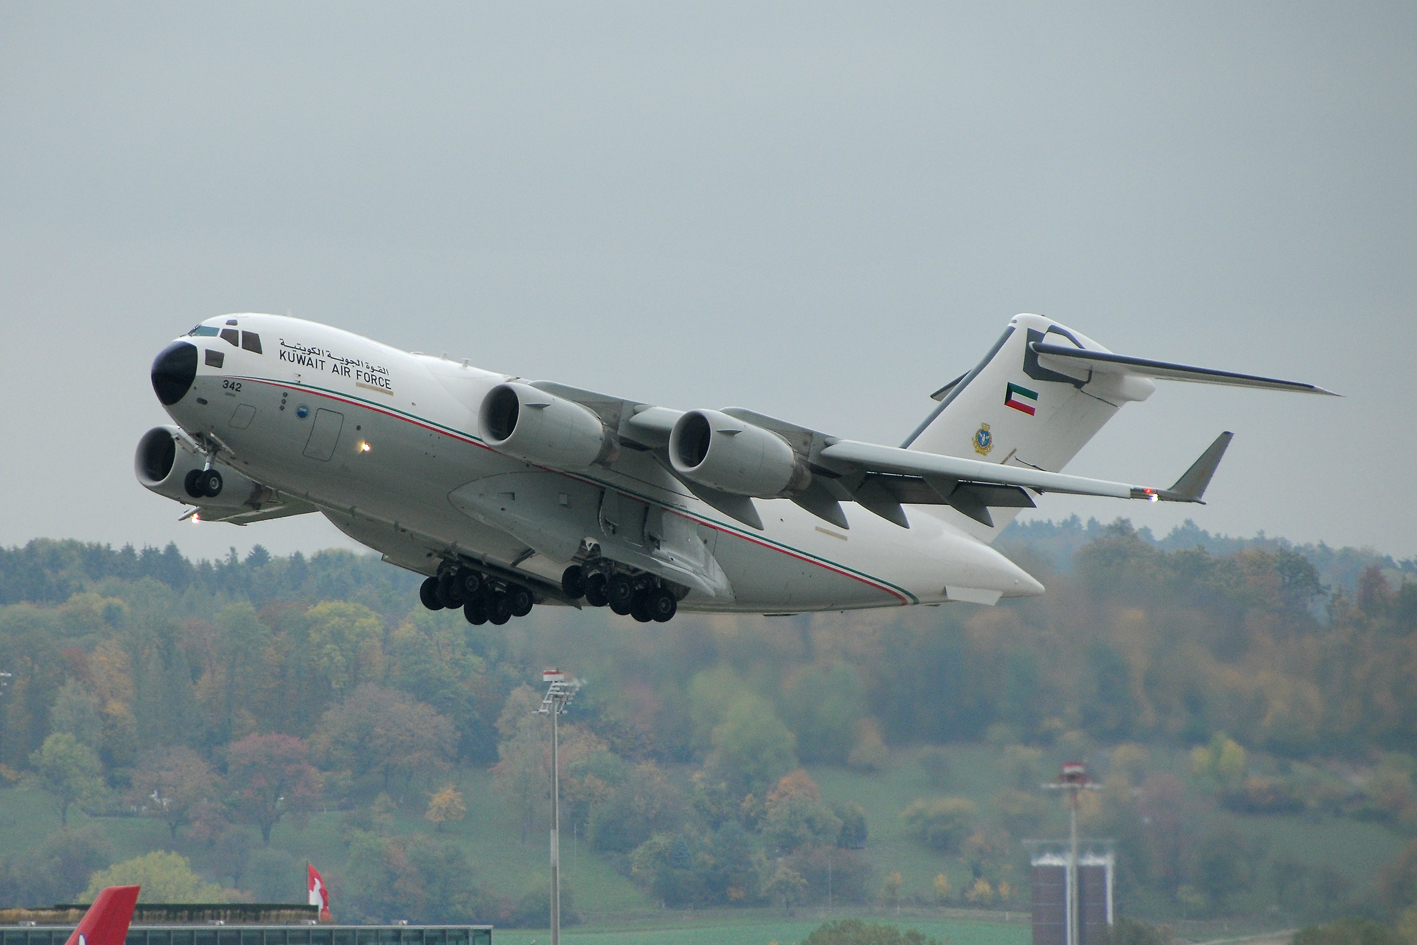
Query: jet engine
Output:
(163,464)
(727,454)
(538,427)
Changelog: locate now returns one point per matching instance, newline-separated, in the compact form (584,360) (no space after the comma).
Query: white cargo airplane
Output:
(507,492)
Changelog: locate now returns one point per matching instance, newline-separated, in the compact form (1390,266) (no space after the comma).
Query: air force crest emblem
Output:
(983,440)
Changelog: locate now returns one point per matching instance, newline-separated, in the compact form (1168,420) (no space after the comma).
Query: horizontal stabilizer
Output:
(1102,362)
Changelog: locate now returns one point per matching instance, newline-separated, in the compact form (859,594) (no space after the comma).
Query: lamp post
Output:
(1072,778)
(559,693)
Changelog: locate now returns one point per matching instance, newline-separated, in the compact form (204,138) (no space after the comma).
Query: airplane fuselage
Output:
(387,445)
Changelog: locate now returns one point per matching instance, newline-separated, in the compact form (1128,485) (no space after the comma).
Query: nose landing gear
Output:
(203,483)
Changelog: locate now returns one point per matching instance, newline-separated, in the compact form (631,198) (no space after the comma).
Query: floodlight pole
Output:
(1073,778)
(559,693)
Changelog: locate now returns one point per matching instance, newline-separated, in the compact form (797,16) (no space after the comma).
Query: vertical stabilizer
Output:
(1011,409)
(106,922)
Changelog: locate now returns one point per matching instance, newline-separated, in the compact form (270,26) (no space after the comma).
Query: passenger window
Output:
(231,336)
(251,341)
(215,358)
(204,331)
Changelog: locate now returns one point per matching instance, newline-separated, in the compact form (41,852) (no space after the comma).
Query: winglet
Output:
(106,922)
(1192,484)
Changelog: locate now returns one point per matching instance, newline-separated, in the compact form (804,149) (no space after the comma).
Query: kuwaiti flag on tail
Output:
(319,895)
(1021,398)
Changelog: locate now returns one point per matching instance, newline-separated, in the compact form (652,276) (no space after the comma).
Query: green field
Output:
(765,930)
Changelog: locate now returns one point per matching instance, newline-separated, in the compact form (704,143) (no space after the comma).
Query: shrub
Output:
(856,932)
(942,823)
(1348,931)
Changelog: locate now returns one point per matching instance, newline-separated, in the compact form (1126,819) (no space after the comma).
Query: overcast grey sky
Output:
(822,212)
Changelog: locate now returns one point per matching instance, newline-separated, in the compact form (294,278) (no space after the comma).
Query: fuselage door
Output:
(324,435)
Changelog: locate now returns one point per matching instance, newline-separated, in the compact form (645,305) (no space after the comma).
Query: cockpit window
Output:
(251,341)
(202,331)
(231,336)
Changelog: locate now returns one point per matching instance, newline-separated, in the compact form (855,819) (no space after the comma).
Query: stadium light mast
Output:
(559,693)
(1073,778)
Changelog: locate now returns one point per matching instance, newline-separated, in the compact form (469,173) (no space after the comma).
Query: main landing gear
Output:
(641,596)
(483,599)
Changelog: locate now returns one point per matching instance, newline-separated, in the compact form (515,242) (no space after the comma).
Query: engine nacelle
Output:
(538,427)
(162,463)
(732,456)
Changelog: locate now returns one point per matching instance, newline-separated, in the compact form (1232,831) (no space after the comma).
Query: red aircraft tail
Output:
(106,922)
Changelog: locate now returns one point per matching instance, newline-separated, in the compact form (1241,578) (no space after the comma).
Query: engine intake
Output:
(162,462)
(727,454)
(538,427)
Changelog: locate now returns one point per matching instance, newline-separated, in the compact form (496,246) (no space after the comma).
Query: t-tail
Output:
(106,922)
(1040,394)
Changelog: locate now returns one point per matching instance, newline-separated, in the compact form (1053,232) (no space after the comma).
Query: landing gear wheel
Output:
(210,482)
(573,583)
(661,605)
(428,594)
(620,593)
(471,585)
(193,484)
(520,601)
(475,611)
(499,609)
(448,590)
(640,609)
(595,591)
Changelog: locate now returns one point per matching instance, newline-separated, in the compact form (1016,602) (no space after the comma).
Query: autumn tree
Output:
(69,770)
(444,806)
(752,748)
(346,644)
(385,731)
(942,823)
(787,885)
(171,783)
(270,776)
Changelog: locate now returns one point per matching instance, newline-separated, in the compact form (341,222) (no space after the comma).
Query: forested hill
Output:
(1339,567)
(134,674)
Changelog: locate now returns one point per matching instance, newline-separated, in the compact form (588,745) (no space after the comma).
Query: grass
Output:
(975,772)
(758,928)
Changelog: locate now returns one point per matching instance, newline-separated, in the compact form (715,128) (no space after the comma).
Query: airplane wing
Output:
(882,479)
(972,487)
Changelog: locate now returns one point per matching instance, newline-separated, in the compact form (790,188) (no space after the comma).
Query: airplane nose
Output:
(174,370)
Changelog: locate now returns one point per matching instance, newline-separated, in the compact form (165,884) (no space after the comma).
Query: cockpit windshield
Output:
(247,340)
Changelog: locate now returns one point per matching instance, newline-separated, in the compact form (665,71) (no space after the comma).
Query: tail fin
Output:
(1011,409)
(1042,392)
(106,922)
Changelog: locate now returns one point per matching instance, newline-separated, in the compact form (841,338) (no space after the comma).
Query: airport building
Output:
(233,924)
